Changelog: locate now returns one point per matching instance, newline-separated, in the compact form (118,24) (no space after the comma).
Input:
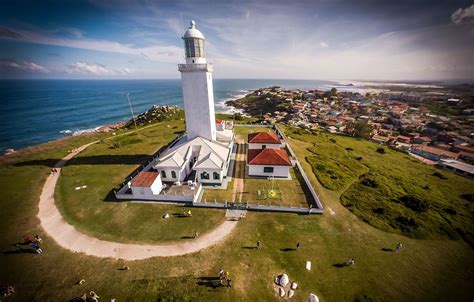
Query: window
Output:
(268,169)
(163,174)
(204,175)
(173,174)
(194,48)
(216,175)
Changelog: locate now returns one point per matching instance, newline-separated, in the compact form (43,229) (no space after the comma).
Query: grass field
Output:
(391,190)
(425,270)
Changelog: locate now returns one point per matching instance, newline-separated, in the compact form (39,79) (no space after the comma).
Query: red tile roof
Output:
(144,179)
(218,121)
(267,156)
(263,138)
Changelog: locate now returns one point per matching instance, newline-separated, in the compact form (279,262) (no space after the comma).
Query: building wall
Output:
(211,179)
(260,146)
(180,173)
(278,171)
(198,99)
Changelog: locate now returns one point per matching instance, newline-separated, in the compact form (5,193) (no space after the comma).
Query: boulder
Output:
(308,265)
(284,280)
(291,293)
(294,285)
(313,298)
(281,292)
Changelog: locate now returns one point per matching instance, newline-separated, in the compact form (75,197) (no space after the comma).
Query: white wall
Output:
(260,146)
(278,171)
(198,99)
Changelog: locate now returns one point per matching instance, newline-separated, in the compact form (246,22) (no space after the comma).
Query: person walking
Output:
(229,282)
(258,244)
(298,245)
(351,262)
(399,247)
(196,234)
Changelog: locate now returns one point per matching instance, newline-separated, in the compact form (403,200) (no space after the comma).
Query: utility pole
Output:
(133,114)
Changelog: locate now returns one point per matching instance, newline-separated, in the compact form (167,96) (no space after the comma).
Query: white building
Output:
(146,185)
(268,162)
(203,153)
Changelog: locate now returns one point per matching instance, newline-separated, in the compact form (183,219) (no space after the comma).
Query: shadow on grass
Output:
(17,252)
(340,265)
(249,247)
(288,249)
(180,215)
(126,159)
(384,249)
(210,282)
(187,237)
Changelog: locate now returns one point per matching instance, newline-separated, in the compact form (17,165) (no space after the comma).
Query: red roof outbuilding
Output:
(144,179)
(267,156)
(263,138)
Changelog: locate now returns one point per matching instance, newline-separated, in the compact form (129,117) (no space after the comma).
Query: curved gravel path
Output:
(69,238)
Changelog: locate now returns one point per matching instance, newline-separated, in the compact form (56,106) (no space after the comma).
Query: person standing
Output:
(298,245)
(399,247)
(351,262)
(258,244)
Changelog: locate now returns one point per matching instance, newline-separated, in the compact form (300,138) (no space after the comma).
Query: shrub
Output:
(379,210)
(406,223)
(349,149)
(439,175)
(450,211)
(381,150)
(358,158)
(369,183)
(332,140)
(414,203)
(468,197)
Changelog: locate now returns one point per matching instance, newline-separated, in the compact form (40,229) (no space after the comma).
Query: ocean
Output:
(37,111)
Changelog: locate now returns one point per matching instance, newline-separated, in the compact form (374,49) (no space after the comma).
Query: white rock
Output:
(294,285)
(84,187)
(308,265)
(78,188)
(313,298)
(281,291)
(277,281)
(291,293)
(166,216)
(284,280)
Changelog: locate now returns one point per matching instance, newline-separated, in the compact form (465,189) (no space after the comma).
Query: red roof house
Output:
(263,138)
(268,157)
(144,179)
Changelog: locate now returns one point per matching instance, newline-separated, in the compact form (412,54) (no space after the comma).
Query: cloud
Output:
(323,44)
(25,66)
(159,53)
(463,15)
(95,69)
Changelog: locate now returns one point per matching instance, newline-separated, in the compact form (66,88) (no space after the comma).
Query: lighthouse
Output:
(196,79)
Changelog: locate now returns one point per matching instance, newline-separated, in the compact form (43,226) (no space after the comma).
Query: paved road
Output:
(69,238)
(239,172)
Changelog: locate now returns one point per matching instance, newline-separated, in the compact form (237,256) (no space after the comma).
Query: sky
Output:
(325,39)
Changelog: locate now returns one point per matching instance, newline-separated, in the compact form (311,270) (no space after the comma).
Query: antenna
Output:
(131,111)
(182,30)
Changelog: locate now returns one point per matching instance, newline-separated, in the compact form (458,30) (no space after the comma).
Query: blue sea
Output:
(37,111)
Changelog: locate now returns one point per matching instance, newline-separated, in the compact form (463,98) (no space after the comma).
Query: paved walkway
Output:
(69,238)
(239,172)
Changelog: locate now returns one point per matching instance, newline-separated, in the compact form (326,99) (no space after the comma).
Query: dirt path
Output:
(239,173)
(69,238)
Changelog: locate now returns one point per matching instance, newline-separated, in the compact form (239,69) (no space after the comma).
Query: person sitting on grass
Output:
(351,262)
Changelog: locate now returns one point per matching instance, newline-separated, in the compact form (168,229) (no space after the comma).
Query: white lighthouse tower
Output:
(198,95)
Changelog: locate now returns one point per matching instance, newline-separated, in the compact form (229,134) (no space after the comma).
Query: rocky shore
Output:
(156,114)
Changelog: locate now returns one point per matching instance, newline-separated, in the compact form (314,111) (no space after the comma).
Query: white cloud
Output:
(463,15)
(323,44)
(159,53)
(95,69)
(22,66)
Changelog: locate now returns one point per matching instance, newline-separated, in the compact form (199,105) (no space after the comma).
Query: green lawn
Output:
(289,193)
(391,190)
(425,270)
(101,169)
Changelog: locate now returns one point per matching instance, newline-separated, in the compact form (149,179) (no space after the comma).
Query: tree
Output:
(362,129)
(333,91)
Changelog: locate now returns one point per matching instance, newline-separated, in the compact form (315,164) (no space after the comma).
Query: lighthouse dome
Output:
(192,32)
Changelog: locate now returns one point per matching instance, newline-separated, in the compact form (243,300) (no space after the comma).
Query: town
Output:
(431,126)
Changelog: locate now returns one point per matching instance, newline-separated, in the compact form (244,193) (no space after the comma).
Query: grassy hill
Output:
(391,190)
(425,270)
